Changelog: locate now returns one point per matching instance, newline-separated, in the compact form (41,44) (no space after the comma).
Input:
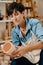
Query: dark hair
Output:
(15,6)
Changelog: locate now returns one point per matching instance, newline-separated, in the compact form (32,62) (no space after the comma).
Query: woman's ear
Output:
(23,13)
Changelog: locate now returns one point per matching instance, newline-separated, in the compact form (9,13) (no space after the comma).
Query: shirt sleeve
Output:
(38,29)
(15,38)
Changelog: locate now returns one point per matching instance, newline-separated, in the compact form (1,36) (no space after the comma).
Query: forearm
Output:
(31,47)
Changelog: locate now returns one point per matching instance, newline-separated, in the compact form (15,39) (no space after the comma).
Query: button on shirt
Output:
(31,24)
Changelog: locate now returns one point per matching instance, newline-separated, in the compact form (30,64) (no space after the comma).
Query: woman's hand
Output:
(19,52)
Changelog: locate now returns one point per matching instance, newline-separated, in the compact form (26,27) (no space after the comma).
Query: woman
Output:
(21,32)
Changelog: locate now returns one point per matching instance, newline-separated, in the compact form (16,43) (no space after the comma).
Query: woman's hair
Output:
(15,6)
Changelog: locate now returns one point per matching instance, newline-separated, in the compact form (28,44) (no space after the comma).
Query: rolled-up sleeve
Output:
(15,38)
(38,29)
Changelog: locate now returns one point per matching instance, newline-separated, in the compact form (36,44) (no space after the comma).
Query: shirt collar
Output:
(28,27)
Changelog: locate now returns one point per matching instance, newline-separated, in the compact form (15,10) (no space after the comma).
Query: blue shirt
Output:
(31,24)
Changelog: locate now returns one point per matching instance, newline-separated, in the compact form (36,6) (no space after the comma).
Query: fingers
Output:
(15,52)
(17,46)
(17,56)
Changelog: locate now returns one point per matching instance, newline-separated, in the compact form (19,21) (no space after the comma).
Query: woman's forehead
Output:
(15,11)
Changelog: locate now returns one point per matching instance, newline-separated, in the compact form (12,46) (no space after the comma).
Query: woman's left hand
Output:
(21,50)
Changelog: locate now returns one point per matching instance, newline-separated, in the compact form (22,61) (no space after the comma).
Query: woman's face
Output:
(17,17)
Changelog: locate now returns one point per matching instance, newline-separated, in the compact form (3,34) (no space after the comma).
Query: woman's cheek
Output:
(13,20)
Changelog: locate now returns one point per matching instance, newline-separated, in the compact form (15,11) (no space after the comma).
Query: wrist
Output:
(26,48)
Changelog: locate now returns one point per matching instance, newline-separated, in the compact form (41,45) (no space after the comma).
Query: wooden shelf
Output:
(6,1)
(5,21)
(3,41)
(28,7)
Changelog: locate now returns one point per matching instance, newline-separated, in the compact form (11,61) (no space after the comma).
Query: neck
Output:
(23,25)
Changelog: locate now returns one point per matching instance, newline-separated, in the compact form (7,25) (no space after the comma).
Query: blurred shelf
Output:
(6,1)
(5,20)
(28,7)
(3,41)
